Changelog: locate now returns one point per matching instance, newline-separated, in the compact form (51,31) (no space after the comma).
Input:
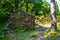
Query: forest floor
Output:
(33,35)
(40,33)
(37,34)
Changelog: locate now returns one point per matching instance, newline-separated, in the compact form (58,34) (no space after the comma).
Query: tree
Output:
(26,5)
(16,4)
(53,15)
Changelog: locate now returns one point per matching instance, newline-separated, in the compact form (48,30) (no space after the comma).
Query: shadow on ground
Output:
(41,28)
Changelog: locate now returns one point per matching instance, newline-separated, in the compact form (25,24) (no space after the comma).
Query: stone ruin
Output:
(22,20)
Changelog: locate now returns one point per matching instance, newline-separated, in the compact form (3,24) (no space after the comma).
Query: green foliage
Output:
(51,38)
(3,26)
(25,35)
(37,7)
(3,37)
(2,12)
(52,35)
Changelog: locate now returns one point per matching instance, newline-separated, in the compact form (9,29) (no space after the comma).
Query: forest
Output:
(29,20)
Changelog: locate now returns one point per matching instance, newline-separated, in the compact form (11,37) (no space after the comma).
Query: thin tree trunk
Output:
(16,4)
(26,5)
(53,16)
(33,9)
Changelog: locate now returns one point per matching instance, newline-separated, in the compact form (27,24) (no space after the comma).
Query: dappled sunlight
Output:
(48,34)
(43,21)
(29,20)
(26,35)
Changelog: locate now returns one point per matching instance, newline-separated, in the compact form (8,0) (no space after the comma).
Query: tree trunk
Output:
(26,5)
(16,4)
(53,16)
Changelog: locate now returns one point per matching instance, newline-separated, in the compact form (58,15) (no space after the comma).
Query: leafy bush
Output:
(3,26)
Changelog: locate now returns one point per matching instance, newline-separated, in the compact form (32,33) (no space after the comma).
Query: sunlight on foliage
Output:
(51,33)
(34,34)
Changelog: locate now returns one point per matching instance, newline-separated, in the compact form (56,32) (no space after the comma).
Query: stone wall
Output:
(22,20)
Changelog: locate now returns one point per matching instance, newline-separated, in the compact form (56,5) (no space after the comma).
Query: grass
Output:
(51,35)
(51,38)
(19,34)
(2,27)
(25,35)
